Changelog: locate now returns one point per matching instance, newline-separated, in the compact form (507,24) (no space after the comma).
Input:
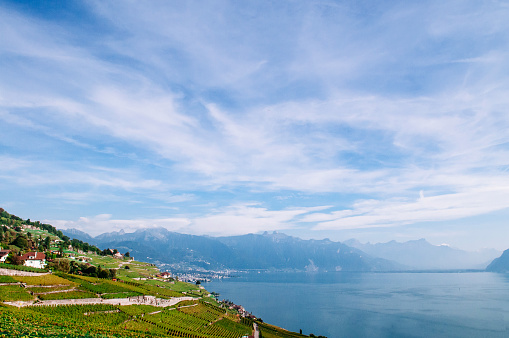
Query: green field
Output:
(7,279)
(43,280)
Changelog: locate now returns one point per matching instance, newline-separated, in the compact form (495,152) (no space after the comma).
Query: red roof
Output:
(38,256)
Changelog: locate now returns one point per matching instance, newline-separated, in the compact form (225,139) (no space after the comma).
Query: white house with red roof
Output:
(3,255)
(35,259)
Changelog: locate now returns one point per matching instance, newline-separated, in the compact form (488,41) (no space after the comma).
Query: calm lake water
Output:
(344,304)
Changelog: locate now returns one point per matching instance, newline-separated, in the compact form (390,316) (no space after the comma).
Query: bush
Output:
(59,265)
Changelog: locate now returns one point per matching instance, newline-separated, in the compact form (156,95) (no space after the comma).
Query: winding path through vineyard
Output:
(117,301)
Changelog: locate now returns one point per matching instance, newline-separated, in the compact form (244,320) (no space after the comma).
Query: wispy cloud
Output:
(233,220)
(98,224)
(343,103)
(391,213)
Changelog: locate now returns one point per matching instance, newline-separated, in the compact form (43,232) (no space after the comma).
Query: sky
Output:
(374,120)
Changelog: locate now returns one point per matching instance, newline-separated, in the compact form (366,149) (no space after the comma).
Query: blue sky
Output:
(339,119)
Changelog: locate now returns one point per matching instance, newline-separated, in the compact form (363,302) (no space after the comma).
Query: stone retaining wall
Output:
(11,272)
(149,300)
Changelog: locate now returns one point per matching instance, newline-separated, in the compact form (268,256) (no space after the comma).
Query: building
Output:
(166,274)
(35,259)
(3,255)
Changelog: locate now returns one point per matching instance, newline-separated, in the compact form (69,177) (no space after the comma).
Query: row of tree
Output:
(12,235)
(85,269)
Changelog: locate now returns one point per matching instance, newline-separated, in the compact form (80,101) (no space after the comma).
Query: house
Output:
(35,259)
(3,255)
(118,255)
(166,274)
(83,259)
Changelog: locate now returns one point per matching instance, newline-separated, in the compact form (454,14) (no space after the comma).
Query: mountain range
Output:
(422,255)
(266,251)
(282,252)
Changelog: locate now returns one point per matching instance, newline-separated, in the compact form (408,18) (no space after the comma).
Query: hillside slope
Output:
(500,264)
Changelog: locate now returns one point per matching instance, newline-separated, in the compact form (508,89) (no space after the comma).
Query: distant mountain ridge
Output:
(252,251)
(422,255)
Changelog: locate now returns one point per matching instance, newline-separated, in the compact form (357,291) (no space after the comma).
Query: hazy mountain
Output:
(280,251)
(78,234)
(420,254)
(500,264)
(162,246)
(267,251)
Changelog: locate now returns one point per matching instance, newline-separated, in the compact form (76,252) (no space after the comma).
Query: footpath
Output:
(145,300)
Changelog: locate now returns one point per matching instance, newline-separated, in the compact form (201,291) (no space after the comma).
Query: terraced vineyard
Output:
(14,293)
(93,307)
(37,303)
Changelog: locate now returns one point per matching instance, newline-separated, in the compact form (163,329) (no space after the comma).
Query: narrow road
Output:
(256,331)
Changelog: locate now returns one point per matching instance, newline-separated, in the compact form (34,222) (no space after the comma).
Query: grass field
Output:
(43,280)
(7,279)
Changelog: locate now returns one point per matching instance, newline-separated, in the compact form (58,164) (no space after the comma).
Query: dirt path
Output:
(147,300)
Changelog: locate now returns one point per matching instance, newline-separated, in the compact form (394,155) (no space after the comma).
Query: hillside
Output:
(252,251)
(133,300)
(58,305)
(500,264)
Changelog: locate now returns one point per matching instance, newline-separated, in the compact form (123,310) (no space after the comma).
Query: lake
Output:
(347,304)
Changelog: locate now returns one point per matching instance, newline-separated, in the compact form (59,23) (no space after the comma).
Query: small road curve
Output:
(256,331)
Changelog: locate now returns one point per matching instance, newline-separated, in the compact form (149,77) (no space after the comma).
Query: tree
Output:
(47,242)
(127,254)
(90,271)
(60,265)
(73,267)
(14,259)
(21,242)
(103,273)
